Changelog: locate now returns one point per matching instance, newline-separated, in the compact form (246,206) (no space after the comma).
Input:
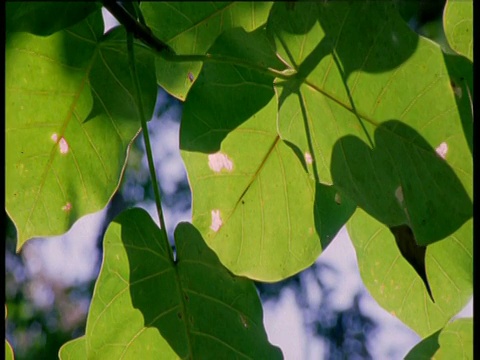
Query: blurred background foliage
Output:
(44,313)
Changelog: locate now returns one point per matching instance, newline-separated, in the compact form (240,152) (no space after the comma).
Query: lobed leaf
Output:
(395,285)
(147,306)
(70,118)
(366,100)
(190,28)
(257,209)
(458,26)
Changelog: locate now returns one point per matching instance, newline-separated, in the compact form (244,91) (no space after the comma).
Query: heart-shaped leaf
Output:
(258,210)
(147,306)
(190,28)
(71,115)
(397,287)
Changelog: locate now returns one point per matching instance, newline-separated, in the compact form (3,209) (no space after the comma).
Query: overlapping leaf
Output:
(458,26)
(396,286)
(70,117)
(454,341)
(360,69)
(253,200)
(145,306)
(190,28)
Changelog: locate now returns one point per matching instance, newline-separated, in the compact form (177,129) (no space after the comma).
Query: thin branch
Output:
(144,34)
(148,147)
(141,32)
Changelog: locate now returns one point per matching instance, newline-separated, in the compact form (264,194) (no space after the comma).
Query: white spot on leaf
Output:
(216,220)
(67,207)
(308,158)
(63,145)
(399,194)
(442,150)
(219,161)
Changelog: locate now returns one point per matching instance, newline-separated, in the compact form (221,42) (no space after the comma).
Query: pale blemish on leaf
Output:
(338,198)
(63,145)
(308,158)
(67,207)
(442,150)
(219,161)
(244,321)
(216,220)
(399,194)
(457,90)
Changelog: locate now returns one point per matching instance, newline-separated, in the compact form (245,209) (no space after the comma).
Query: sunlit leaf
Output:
(190,28)
(458,26)
(70,117)
(8,351)
(454,341)
(145,306)
(374,104)
(73,350)
(398,288)
(253,200)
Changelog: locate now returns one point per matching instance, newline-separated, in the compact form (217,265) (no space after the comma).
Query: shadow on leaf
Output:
(403,180)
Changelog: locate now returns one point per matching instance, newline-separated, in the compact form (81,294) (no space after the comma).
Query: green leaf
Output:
(46,18)
(190,28)
(70,118)
(360,73)
(146,306)
(402,180)
(8,351)
(73,350)
(395,285)
(454,341)
(253,200)
(458,26)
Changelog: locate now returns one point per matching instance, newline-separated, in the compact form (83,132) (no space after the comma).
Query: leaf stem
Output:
(217,58)
(146,138)
(138,30)
(143,33)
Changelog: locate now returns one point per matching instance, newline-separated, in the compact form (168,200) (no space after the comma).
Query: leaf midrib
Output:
(53,151)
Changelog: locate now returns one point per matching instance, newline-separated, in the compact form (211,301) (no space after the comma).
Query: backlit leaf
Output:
(145,306)
(253,200)
(190,28)
(458,26)
(70,117)
(398,288)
